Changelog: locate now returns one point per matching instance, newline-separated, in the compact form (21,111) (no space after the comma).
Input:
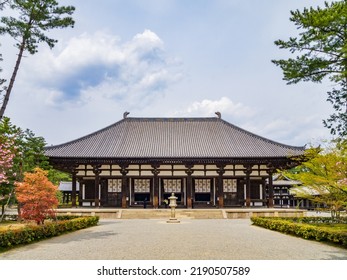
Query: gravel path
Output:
(189,240)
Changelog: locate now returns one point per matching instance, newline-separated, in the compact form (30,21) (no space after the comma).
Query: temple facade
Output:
(206,162)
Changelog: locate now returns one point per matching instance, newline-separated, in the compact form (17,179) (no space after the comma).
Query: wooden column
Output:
(73,193)
(155,172)
(270,188)
(189,186)
(220,172)
(80,192)
(97,172)
(248,172)
(263,189)
(103,192)
(125,189)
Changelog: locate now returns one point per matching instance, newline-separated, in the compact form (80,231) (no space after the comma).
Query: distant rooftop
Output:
(172,138)
(67,186)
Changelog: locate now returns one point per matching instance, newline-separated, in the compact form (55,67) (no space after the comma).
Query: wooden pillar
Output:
(270,188)
(125,188)
(189,186)
(155,172)
(103,193)
(220,172)
(73,193)
(263,189)
(97,172)
(80,193)
(248,172)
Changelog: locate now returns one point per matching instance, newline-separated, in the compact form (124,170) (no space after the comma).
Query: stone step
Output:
(166,213)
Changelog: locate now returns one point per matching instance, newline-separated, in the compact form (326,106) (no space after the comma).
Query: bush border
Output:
(32,233)
(301,227)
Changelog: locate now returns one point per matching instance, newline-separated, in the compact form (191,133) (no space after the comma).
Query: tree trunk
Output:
(13,78)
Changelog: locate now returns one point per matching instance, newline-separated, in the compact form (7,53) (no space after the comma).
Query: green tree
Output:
(30,149)
(56,176)
(322,48)
(323,177)
(36,18)
(29,153)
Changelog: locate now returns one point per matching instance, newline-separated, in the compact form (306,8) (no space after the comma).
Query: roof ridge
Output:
(170,118)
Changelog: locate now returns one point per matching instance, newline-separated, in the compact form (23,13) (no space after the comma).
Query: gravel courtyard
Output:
(151,239)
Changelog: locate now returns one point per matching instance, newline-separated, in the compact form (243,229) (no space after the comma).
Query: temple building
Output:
(206,162)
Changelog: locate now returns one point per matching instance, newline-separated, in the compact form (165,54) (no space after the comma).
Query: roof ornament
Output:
(125,114)
(219,115)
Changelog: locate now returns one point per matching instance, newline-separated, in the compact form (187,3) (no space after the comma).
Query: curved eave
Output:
(294,160)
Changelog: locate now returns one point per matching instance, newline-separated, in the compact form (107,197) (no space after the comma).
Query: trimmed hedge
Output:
(31,233)
(318,220)
(303,227)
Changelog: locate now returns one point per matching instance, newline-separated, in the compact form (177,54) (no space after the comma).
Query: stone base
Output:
(246,213)
(173,221)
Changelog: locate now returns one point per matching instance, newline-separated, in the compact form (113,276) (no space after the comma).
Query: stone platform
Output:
(225,213)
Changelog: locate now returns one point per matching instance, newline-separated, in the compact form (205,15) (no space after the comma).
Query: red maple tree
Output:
(37,196)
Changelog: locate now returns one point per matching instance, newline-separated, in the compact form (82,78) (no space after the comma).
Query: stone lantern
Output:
(173,205)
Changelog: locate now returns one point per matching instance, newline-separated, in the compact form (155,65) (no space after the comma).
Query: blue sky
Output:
(168,58)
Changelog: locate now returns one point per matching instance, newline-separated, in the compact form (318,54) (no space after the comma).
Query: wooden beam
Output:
(96,171)
(73,193)
(155,172)
(220,194)
(189,186)
(271,189)
(248,172)
(125,188)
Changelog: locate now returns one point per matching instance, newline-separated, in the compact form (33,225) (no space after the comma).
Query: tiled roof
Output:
(67,186)
(281,180)
(172,138)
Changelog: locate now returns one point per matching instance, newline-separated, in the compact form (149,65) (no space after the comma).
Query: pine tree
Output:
(322,48)
(36,18)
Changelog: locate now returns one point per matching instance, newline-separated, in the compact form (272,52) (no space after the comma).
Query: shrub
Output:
(304,227)
(32,233)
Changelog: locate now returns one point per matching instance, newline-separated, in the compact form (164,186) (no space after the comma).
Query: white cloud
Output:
(291,130)
(100,64)
(92,76)
(224,105)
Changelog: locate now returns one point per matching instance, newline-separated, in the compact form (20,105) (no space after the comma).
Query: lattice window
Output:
(142,185)
(202,185)
(230,185)
(172,185)
(115,185)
